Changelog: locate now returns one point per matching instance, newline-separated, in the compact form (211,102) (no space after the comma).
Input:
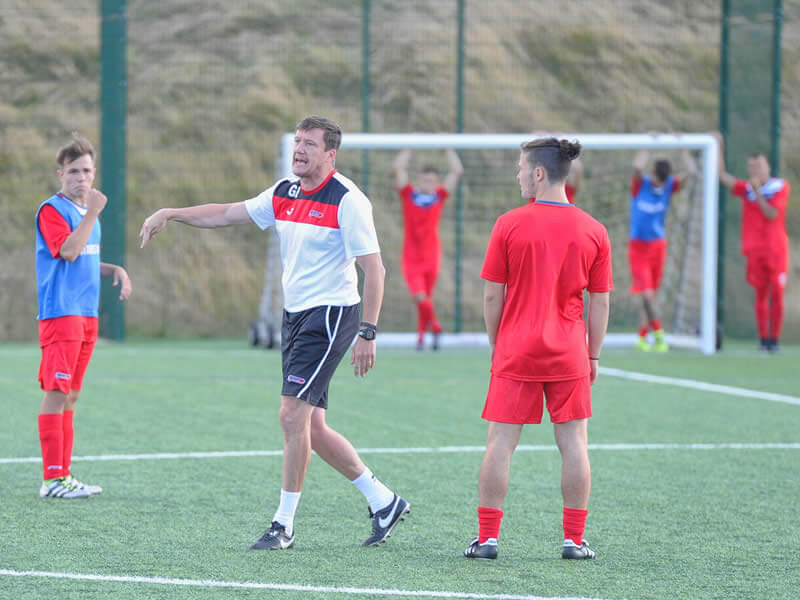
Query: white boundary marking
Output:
(700,385)
(286,587)
(421,450)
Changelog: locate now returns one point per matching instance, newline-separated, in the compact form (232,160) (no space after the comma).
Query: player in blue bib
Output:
(647,251)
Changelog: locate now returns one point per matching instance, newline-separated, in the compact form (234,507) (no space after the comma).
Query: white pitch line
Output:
(286,587)
(700,385)
(433,450)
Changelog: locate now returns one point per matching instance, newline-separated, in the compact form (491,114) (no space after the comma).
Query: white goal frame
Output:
(705,143)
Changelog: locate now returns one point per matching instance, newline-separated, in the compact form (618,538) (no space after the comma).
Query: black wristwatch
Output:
(367,331)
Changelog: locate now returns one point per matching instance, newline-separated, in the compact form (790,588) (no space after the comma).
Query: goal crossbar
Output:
(706,144)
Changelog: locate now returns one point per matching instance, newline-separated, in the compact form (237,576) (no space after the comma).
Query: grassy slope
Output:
(212,84)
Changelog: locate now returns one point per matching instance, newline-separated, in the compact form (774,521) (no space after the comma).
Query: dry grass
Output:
(213,84)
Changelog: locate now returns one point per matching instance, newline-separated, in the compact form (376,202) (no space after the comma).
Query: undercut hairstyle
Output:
(332,133)
(662,169)
(430,169)
(79,146)
(553,155)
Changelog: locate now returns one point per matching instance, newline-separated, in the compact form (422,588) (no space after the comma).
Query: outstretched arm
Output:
(456,169)
(400,168)
(725,178)
(205,216)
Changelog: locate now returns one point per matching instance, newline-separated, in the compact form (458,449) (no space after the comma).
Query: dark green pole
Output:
(365,89)
(459,194)
(775,151)
(113,99)
(723,128)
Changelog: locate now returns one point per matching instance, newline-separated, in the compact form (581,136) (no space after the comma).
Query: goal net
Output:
(489,188)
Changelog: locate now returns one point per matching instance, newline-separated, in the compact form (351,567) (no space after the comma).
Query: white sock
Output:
(288,506)
(377,494)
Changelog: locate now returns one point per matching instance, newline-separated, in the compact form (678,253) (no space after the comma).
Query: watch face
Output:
(367,334)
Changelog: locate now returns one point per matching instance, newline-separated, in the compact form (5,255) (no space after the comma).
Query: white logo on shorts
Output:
(782,278)
(61,375)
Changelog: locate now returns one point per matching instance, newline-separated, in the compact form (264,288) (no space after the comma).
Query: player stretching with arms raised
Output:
(541,257)
(647,250)
(765,243)
(422,209)
(325,226)
(68,271)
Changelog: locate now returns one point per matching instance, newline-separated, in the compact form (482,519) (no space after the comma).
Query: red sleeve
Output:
(495,264)
(600,275)
(780,200)
(676,185)
(739,188)
(406,192)
(54,229)
(636,184)
(442,192)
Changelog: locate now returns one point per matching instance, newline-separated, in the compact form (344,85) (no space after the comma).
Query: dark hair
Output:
(79,146)
(758,154)
(552,154)
(332,131)
(662,169)
(430,169)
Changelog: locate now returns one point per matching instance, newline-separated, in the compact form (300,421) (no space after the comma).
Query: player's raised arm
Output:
(205,216)
(455,171)
(400,169)
(640,163)
(689,168)
(725,178)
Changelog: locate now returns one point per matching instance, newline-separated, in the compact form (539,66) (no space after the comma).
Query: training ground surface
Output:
(695,491)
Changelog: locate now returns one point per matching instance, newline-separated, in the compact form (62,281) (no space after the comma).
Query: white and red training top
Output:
(321,231)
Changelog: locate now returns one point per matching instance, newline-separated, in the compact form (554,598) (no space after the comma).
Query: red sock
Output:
(776,313)
(574,524)
(435,325)
(762,311)
(425,315)
(489,523)
(51,436)
(655,324)
(69,436)
(642,332)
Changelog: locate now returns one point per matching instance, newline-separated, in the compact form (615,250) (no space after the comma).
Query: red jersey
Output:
(547,254)
(421,214)
(759,234)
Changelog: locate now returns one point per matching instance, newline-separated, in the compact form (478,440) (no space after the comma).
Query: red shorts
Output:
(67,344)
(522,402)
(647,264)
(764,269)
(421,279)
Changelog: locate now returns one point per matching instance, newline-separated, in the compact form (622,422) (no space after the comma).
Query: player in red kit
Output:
(541,257)
(422,209)
(765,244)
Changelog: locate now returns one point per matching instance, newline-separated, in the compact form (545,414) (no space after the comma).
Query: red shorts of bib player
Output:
(540,260)
(647,260)
(67,344)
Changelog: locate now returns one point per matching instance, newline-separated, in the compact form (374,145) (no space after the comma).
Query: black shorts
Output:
(313,343)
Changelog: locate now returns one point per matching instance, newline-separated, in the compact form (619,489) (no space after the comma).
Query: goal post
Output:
(704,144)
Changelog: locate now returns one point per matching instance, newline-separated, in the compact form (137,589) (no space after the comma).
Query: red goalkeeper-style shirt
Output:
(759,234)
(547,254)
(421,214)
